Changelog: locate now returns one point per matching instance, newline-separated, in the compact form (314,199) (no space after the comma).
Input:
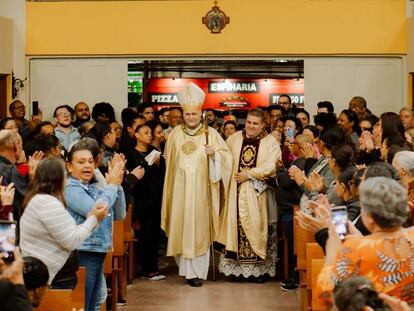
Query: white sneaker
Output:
(157,277)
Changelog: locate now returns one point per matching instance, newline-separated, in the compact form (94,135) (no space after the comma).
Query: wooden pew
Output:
(108,270)
(301,237)
(316,267)
(115,264)
(129,241)
(65,299)
(295,225)
(78,295)
(118,261)
(313,252)
(56,300)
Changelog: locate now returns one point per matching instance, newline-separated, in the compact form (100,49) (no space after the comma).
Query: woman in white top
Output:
(47,231)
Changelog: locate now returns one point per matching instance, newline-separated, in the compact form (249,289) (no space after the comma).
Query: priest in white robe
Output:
(196,171)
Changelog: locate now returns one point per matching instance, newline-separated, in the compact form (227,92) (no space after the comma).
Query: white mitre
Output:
(191,97)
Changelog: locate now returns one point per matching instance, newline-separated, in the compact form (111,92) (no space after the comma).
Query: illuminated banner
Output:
(229,93)
(233,87)
(163,98)
(297,99)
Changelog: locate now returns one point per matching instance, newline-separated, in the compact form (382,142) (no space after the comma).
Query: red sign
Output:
(224,93)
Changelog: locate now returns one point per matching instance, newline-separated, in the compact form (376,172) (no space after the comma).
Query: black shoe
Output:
(289,287)
(121,302)
(290,283)
(259,280)
(195,282)
(289,280)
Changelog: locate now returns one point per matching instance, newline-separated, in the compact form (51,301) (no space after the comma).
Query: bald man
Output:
(82,114)
(11,147)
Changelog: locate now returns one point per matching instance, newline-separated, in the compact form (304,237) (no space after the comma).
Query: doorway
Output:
(3,95)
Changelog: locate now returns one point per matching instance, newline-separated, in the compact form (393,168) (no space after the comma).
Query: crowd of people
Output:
(210,188)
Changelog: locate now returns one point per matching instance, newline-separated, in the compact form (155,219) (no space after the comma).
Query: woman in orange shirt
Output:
(386,256)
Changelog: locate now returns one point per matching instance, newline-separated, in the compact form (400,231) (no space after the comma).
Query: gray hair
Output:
(385,200)
(7,138)
(405,160)
(406,108)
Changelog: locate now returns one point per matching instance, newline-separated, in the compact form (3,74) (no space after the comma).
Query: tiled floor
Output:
(174,294)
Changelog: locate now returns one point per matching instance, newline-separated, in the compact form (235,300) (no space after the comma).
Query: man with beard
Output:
(64,130)
(82,114)
(212,119)
(163,117)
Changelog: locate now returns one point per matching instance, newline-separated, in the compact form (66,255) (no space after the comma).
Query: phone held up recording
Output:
(35,108)
(7,240)
(290,133)
(339,217)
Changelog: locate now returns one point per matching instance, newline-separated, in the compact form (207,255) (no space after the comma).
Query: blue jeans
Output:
(93,262)
(103,294)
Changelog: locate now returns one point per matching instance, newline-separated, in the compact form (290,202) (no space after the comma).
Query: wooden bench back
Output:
(317,265)
(302,237)
(107,268)
(65,299)
(313,251)
(128,236)
(118,238)
(56,300)
(295,225)
(78,295)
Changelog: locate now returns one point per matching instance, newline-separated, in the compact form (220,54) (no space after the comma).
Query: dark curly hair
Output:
(356,293)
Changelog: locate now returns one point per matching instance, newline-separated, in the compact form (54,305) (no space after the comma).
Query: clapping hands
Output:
(320,220)
(315,182)
(100,211)
(138,172)
(308,151)
(297,175)
(7,193)
(116,169)
(34,161)
(366,142)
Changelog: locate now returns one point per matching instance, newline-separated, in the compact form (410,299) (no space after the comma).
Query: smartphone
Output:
(7,240)
(35,108)
(339,217)
(290,133)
